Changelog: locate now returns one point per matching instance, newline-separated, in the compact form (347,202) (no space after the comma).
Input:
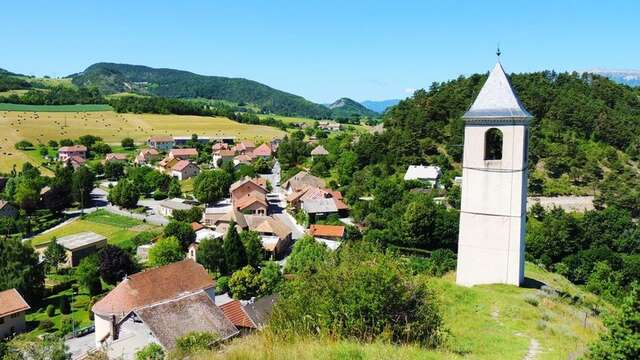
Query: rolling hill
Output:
(345,107)
(113,78)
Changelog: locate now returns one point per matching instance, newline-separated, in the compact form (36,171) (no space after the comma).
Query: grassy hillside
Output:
(483,322)
(346,108)
(40,127)
(116,78)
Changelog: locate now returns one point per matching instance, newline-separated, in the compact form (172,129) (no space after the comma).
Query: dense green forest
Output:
(114,78)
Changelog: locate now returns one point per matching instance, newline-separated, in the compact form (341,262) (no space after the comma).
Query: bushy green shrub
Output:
(359,293)
(152,351)
(194,342)
(65,305)
(51,310)
(222,285)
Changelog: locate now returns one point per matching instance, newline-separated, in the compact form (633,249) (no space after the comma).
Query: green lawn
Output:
(55,108)
(79,307)
(117,229)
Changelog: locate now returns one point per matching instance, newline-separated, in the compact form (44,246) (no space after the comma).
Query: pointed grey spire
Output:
(497,100)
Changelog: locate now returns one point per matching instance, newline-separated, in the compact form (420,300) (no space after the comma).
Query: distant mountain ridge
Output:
(626,77)
(113,78)
(345,107)
(381,105)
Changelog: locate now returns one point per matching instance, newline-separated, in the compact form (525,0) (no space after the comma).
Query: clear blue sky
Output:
(326,49)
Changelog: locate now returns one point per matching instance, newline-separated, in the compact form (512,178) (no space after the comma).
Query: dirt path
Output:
(534,350)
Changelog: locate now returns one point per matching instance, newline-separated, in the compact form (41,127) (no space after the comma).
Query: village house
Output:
(302,180)
(183,154)
(274,234)
(329,126)
(263,151)
(202,232)
(146,156)
(318,202)
(244,146)
(7,210)
(184,169)
(166,207)
(330,235)
(221,156)
(115,157)
(77,246)
(249,196)
(161,143)
(69,152)
(426,174)
(159,306)
(12,313)
(243,159)
(319,151)
(75,162)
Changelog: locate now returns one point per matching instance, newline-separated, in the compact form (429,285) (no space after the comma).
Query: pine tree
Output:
(234,252)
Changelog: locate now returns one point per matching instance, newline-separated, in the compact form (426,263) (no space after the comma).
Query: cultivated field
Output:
(40,127)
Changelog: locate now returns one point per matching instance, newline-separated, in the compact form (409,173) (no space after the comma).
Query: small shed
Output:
(81,245)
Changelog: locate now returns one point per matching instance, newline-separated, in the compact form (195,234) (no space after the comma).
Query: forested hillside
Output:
(114,78)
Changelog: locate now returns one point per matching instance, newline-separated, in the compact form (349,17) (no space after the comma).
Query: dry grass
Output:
(40,127)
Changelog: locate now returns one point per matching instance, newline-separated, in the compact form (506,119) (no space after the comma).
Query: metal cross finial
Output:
(498,52)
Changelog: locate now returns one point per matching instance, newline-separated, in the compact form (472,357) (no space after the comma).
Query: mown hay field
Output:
(40,127)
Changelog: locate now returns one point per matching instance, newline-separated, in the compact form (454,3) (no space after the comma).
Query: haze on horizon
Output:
(322,50)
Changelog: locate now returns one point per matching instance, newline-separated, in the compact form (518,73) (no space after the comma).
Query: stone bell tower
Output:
(494,186)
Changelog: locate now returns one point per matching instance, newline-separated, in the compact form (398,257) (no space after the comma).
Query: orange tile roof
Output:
(196,226)
(326,230)
(11,302)
(235,313)
(152,286)
(246,201)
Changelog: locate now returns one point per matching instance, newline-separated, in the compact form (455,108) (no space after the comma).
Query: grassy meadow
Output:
(482,322)
(40,127)
(117,229)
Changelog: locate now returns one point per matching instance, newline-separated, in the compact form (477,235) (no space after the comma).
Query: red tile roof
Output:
(326,230)
(235,313)
(181,165)
(152,286)
(262,150)
(11,302)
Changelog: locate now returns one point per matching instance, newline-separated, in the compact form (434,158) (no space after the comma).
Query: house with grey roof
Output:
(77,246)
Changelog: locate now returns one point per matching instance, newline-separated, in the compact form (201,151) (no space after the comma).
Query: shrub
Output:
(65,305)
(46,325)
(531,300)
(152,351)
(159,195)
(244,283)
(222,285)
(359,293)
(194,342)
(51,310)
(143,238)
(66,325)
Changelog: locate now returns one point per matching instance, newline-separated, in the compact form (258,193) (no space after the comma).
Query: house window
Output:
(1,320)
(493,144)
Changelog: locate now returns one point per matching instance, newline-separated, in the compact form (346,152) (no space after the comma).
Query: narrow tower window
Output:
(493,144)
